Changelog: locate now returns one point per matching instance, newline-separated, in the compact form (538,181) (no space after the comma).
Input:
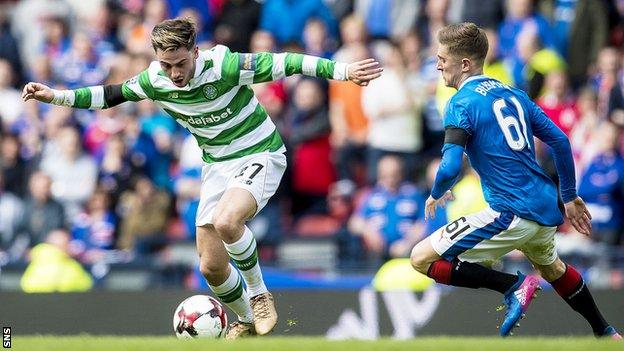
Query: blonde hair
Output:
(465,40)
(174,34)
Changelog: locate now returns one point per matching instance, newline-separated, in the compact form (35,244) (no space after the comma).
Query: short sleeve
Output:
(456,116)
(137,88)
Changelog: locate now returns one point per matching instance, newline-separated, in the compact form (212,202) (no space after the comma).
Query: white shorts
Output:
(260,174)
(487,235)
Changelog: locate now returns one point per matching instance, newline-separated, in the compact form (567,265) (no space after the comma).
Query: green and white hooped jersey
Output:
(217,106)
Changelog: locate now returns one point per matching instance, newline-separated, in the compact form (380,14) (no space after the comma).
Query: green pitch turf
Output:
(96,343)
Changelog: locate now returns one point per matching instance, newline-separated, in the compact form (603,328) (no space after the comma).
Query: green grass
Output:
(96,343)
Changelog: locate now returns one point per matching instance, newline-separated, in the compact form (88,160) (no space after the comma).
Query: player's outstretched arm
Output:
(548,132)
(250,68)
(96,97)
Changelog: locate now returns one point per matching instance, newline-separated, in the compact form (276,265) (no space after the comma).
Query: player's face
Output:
(449,66)
(179,65)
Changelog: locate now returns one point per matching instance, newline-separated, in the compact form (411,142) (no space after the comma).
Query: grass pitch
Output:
(97,343)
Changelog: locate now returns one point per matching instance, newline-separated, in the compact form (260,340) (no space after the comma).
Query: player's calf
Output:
(572,288)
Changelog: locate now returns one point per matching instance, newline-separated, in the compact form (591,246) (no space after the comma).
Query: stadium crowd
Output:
(122,184)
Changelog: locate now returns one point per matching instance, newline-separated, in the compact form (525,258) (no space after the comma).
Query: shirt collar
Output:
(470,79)
(199,65)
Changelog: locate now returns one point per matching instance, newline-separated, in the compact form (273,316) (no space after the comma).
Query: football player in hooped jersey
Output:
(494,125)
(208,93)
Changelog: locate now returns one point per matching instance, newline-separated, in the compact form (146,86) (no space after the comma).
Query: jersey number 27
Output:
(515,137)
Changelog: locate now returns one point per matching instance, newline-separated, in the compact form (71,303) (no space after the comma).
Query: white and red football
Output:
(200,316)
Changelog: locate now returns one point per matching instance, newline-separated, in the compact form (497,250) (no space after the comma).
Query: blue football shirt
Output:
(500,122)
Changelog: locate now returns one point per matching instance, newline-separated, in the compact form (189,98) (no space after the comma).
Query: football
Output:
(200,316)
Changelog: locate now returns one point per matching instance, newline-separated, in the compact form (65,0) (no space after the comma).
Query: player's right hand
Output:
(431,204)
(37,91)
(579,215)
(362,72)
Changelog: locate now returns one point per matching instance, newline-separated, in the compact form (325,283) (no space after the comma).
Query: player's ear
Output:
(195,52)
(466,64)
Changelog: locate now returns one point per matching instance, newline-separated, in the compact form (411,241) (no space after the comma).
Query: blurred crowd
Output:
(123,184)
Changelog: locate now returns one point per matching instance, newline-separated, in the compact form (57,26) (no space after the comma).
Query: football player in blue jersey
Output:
(494,125)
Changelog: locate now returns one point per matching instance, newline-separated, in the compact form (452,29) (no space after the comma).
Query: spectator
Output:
(340,206)
(580,136)
(11,214)
(204,36)
(315,39)
(115,170)
(394,125)
(608,81)
(144,155)
(307,132)
(388,19)
(602,185)
(483,13)
(390,217)
(138,40)
(533,63)
(436,13)
(521,16)
(187,186)
(73,173)
(580,31)
(93,231)
(42,213)
(557,101)
(353,36)
(349,124)
(435,18)
(105,124)
(286,19)
(203,9)
(56,40)
(14,167)
(9,47)
(11,105)
(28,23)
(271,95)
(238,21)
(51,268)
(144,215)
(80,66)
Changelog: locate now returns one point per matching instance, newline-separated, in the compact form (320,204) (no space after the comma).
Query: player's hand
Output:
(579,215)
(37,91)
(431,204)
(362,72)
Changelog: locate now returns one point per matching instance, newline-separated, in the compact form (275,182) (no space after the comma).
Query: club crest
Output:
(210,91)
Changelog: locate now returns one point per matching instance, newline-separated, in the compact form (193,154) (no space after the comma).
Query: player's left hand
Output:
(579,215)
(362,72)
(431,204)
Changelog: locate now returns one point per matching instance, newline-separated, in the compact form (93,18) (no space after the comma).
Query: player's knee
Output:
(419,261)
(211,269)
(227,226)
